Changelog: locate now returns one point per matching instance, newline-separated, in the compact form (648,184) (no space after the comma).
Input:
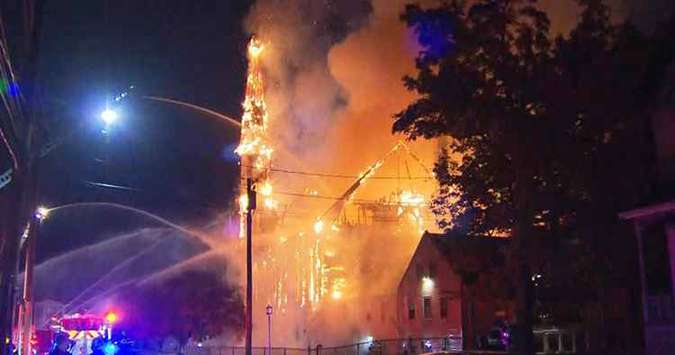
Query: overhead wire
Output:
(339,201)
(336,198)
(12,108)
(342,176)
(15,161)
(10,77)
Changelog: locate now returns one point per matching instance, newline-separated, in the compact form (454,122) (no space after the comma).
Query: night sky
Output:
(179,163)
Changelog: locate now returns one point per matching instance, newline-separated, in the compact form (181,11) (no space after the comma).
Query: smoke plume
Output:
(333,73)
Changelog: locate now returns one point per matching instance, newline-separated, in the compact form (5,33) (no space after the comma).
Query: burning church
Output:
(326,246)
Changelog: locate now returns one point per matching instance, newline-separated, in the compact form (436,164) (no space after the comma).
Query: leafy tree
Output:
(544,129)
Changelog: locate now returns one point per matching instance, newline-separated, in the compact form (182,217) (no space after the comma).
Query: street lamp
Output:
(25,317)
(268,311)
(109,116)
(41,213)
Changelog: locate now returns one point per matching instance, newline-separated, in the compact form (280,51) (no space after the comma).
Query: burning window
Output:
(444,307)
(426,307)
(411,311)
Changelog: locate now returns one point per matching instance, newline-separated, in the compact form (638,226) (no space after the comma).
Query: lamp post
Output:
(268,311)
(109,116)
(26,310)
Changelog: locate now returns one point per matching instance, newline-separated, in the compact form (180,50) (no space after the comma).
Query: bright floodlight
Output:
(109,116)
(427,285)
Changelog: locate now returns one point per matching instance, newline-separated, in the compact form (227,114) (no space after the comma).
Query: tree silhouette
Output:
(195,304)
(549,136)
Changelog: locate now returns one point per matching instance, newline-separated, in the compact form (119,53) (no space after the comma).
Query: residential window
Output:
(432,270)
(444,307)
(426,307)
(411,311)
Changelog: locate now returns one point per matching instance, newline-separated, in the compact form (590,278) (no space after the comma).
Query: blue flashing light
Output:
(110,349)
(13,89)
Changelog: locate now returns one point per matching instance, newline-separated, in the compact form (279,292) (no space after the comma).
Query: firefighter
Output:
(61,345)
(97,346)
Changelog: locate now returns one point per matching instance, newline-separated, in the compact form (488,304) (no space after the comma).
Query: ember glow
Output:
(254,148)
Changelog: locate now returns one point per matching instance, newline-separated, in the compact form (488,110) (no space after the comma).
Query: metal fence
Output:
(240,350)
(395,346)
(548,341)
(450,345)
(347,350)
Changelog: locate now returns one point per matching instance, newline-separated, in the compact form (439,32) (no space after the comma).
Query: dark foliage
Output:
(195,304)
(550,136)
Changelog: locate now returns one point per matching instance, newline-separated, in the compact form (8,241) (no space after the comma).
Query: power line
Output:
(345,176)
(335,198)
(297,194)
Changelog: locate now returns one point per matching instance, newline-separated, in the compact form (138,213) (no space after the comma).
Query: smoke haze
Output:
(333,73)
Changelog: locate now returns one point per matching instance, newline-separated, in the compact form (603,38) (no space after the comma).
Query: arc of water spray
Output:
(196,108)
(182,264)
(201,236)
(121,265)
(109,291)
(142,279)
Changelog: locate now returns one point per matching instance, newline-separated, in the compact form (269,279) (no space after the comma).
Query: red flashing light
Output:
(111,317)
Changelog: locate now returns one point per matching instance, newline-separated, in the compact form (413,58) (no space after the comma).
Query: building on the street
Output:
(453,286)
(653,224)
(654,228)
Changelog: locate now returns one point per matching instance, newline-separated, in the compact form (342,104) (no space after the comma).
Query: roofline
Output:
(426,234)
(648,210)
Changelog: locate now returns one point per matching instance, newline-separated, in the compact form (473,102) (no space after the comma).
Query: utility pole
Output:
(23,19)
(25,323)
(256,154)
(26,306)
(250,193)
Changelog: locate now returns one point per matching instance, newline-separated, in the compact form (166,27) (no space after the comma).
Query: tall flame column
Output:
(254,148)
(256,154)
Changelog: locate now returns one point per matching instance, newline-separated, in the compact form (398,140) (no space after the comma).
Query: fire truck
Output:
(82,329)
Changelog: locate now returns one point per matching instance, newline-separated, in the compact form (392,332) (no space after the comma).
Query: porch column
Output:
(641,262)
